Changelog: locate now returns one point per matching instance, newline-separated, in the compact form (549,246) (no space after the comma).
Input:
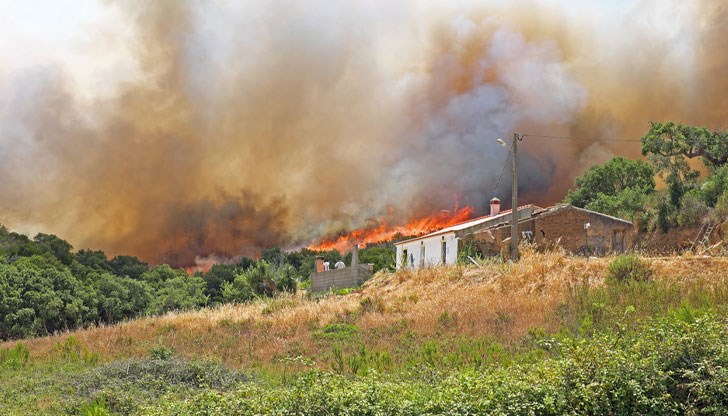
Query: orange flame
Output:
(383,232)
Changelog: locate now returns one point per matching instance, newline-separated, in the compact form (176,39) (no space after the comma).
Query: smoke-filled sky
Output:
(175,129)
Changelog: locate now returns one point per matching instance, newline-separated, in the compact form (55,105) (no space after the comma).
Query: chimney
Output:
(355,256)
(494,206)
(318,265)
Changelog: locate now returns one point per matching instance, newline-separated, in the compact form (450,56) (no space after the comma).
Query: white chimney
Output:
(494,206)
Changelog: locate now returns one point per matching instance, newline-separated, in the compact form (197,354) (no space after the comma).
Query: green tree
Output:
(129,266)
(39,296)
(715,185)
(120,297)
(612,179)
(692,208)
(674,140)
(56,246)
(380,256)
(218,275)
(274,256)
(286,278)
(181,292)
(669,145)
(629,203)
(238,290)
(93,259)
(261,278)
(156,276)
(10,241)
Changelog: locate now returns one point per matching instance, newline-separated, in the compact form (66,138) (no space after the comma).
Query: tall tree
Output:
(611,179)
(670,140)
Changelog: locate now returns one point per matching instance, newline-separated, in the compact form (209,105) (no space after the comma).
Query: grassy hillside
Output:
(417,337)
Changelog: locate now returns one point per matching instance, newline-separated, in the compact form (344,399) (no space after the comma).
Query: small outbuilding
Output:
(577,230)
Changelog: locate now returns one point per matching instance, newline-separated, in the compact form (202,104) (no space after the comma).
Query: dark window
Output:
(444,250)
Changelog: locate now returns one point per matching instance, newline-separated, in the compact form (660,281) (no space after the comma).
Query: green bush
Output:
(720,213)
(285,278)
(237,291)
(72,350)
(15,357)
(262,278)
(668,367)
(629,267)
(160,352)
(692,208)
(97,407)
(339,331)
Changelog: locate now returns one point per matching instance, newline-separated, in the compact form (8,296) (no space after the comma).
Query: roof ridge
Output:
(441,230)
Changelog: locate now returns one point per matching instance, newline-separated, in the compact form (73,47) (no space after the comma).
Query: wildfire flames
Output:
(384,232)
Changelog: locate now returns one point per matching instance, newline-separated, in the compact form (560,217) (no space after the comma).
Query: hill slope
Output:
(499,300)
(449,319)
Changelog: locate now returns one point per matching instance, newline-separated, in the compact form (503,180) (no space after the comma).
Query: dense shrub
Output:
(261,278)
(180,293)
(15,357)
(285,278)
(629,267)
(692,209)
(671,367)
(238,290)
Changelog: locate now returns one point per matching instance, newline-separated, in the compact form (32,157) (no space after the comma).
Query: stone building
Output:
(577,230)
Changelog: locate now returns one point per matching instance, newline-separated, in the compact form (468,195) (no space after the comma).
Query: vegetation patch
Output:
(337,332)
(668,367)
(629,267)
(15,357)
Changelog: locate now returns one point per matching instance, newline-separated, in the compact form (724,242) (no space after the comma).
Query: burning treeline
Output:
(240,126)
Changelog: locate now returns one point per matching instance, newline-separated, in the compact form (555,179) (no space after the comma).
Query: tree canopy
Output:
(611,179)
(671,139)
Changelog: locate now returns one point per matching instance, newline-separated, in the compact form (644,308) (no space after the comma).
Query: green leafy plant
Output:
(337,331)
(629,268)
(15,357)
(160,352)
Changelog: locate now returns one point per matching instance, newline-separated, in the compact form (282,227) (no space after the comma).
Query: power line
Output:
(508,157)
(542,136)
(582,139)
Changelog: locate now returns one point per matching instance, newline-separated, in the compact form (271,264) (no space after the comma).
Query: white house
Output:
(441,247)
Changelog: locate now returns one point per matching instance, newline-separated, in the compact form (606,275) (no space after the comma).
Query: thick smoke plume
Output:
(236,126)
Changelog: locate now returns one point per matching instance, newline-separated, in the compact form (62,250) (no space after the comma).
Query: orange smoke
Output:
(383,232)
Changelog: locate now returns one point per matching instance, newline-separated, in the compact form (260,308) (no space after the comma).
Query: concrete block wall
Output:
(348,277)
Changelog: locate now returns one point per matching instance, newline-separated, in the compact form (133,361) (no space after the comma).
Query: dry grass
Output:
(499,300)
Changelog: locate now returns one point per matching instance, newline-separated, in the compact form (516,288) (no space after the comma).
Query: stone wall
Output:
(566,227)
(348,277)
(562,226)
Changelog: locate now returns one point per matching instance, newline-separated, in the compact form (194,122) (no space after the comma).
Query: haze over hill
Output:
(175,129)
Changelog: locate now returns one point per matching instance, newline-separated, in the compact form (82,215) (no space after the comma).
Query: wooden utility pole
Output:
(514,201)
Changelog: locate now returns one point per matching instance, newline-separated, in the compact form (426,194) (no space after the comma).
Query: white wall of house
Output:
(432,248)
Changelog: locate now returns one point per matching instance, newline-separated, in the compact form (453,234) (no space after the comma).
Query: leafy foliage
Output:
(611,180)
(381,256)
(669,140)
(626,188)
(238,290)
(629,267)
(670,367)
(181,292)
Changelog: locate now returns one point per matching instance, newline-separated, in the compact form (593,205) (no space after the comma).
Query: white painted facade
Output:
(441,247)
(430,251)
